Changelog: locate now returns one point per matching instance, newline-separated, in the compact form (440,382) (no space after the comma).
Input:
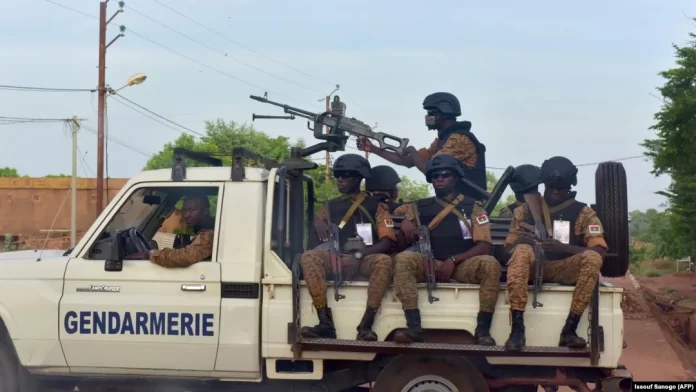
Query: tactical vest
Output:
(338,208)
(384,198)
(570,214)
(446,238)
(477,174)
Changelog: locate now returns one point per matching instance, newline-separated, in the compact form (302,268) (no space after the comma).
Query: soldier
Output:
(453,138)
(461,242)
(196,214)
(525,179)
(575,259)
(356,214)
(383,181)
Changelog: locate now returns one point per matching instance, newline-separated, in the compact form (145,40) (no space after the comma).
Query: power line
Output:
(212,68)
(585,164)
(239,44)
(34,119)
(120,142)
(46,89)
(158,115)
(72,9)
(144,114)
(226,55)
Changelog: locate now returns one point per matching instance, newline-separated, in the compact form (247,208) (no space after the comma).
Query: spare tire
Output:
(612,208)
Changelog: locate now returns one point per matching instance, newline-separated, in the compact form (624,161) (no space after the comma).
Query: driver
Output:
(196,214)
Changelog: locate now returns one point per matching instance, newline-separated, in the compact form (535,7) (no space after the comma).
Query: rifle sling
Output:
(550,210)
(358,201)
(447,209)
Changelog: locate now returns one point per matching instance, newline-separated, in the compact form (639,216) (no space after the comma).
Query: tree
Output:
(8,172)
(672,149)
(57,176)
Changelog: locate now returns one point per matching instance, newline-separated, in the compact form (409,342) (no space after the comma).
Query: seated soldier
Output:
(358,217)
(460,236)
(196,214)
(382,185)
(520,184)
(575,250)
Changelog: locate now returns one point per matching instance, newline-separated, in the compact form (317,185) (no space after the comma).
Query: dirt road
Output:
(649,355)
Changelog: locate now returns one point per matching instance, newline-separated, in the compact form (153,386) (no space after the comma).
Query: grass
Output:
(652,268)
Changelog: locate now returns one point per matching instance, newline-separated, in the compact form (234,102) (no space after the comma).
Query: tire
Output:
(612,208)
(9,376)
(413,373)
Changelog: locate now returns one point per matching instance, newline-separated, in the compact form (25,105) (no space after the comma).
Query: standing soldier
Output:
(460,237)
(453,138)
(525,179)
(357,215)
(575,259)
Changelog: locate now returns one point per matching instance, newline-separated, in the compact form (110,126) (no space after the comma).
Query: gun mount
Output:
(340,128)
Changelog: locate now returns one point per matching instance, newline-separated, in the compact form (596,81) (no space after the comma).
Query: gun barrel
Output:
(288,109)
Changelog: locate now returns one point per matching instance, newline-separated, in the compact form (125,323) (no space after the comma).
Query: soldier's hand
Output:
(410,150)
(525,239)
(409,230)
(322,229)
(351,265)
(444,274)
(138,256)
(364,144)
(552,245)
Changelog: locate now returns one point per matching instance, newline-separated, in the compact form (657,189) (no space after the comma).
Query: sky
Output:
(536,79)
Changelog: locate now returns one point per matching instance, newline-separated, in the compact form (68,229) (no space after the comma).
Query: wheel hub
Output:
(430,383)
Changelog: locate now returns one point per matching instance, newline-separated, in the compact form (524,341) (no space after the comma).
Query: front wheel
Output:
(13,378)
(430,374)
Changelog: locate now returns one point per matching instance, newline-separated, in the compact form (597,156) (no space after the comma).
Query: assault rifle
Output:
(339,125)
(426,252)
(335,254)
(534,202)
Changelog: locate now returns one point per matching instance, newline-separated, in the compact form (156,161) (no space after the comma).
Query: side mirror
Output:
(114,262)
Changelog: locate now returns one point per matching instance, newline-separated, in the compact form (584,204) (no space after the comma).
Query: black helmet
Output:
(525,178)
(443,161)
(382,178)
(352,162)
(446,103)
(559,172)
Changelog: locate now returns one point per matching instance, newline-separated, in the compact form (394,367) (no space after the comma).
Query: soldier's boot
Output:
(569,338)
(365,332)
(482,335)
(325,328)
(413,332)
(517,340)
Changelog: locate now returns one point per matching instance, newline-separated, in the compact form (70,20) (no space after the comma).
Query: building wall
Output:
(30,205)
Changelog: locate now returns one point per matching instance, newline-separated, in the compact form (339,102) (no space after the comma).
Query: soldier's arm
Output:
(481,227)
(408,225)
(385,231)
(199,249)
(460,147)
(321,214)
(589,229)
(515,229)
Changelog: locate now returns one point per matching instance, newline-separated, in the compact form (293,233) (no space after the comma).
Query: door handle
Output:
(192,287)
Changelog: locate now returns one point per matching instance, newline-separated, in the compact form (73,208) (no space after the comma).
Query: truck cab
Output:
(92,316)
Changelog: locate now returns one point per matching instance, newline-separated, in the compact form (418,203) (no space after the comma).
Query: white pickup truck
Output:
(87,316)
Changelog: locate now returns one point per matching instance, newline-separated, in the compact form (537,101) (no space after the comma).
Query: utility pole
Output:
(102,90)
(73,202)
(328,157)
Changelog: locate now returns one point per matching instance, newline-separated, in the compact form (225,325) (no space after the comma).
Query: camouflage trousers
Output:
(316,264)
(581,269)
(483,270)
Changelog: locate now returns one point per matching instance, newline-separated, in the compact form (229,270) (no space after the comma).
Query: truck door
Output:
(144,317)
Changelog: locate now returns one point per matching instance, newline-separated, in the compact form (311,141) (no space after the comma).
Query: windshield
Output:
(133,211)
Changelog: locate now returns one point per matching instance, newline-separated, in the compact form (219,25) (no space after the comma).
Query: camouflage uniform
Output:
(484,270)
(200,249)
(459,146)
(316,264)
(581,269)
(506,212)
